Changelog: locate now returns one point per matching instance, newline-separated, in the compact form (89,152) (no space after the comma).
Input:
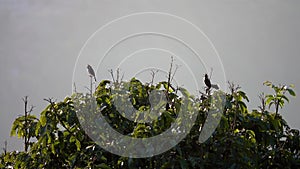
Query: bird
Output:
(91,71)
(208,84)
(207,81)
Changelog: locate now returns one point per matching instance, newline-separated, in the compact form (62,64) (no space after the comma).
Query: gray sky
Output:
(40,42)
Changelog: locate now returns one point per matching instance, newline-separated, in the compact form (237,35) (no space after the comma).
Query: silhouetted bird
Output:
(91,71)
(208,84)
(207,81)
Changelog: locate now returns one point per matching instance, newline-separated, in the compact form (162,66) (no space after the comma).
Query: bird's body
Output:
(207,81)
(91,71)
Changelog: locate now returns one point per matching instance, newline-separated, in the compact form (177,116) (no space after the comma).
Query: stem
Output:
(278,102)
(277,107)
(168,105)
(236,111)
(170,74)
(5,147)
(26,137)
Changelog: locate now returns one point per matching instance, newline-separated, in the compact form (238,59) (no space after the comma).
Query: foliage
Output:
(244,139)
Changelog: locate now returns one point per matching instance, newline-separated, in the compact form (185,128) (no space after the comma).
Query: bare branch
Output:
(122,77)
(49,100)
(177,66)
(74,86)
(262,98)
(88,89)
(153,73)
(5,147)
(233,88)
(26,113)
(112,74)
(117,80)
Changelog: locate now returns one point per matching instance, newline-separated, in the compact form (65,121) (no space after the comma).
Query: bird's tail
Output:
(215,86)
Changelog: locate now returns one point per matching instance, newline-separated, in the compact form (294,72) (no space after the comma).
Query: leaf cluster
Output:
(61,137)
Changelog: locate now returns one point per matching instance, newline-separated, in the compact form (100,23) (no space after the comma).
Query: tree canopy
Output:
(60,137)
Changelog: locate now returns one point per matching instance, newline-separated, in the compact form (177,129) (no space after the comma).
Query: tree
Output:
(244,139)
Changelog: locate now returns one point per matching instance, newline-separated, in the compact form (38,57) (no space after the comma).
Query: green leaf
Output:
(43,120)
(78,145)
(236,131)
(276,124)
(53,149)
(14,128)
(243,94)
(267,83)
(242,106)
(72,139)
(280,97)
(281,103)
(291,92)
(270,98)
(167,86)
(271,104)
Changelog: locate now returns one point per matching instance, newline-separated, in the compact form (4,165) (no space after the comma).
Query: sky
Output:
(45,45)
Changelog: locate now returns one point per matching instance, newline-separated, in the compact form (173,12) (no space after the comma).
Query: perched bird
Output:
(91,71)
(208,84)
(207,81)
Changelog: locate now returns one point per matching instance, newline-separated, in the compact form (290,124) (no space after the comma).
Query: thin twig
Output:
(112,75)
(153,76)
(118,75)
(170,74)
(263,102)
(5,147)
(74,86)
(26,113)
(177,66)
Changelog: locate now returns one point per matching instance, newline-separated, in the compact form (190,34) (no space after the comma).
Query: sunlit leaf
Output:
(243,94)
(78,144)
(267,83)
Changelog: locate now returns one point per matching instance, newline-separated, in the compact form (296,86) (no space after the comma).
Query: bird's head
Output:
(206,76)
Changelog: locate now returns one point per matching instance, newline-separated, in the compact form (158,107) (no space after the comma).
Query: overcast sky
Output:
(40,41)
